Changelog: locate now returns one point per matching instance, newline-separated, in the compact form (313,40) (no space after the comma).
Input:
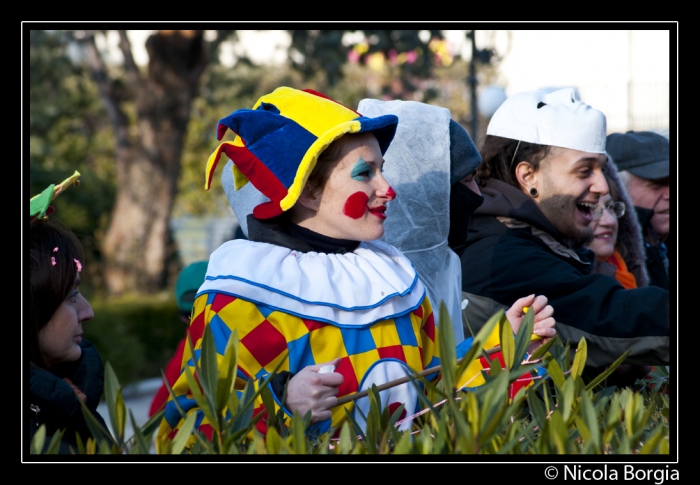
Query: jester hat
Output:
(39,204)
(278,142)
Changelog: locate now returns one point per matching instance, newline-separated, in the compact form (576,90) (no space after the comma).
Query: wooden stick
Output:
(402,380)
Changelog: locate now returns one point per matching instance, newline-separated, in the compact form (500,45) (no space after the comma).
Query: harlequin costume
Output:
(297,297)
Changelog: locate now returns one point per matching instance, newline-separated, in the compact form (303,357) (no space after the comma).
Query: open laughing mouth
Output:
(379,211)
(586,209)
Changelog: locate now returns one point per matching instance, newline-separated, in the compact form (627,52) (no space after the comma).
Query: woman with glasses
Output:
(619,251)
(617,242)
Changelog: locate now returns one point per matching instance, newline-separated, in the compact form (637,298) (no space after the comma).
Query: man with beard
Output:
(643,160)
(541,179)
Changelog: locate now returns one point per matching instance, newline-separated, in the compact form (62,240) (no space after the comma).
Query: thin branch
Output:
(403,380)
(132,70)
(99,74)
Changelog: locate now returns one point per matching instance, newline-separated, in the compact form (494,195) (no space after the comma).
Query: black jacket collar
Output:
(281,232)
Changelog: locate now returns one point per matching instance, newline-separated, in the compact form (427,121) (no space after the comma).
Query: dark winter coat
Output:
(512,250)
(53,402)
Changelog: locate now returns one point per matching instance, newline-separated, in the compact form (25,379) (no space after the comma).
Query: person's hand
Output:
(544,321)
(312,391)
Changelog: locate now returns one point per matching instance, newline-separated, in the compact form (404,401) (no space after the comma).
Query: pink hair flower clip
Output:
(55,250)
(78,265)
(53,261)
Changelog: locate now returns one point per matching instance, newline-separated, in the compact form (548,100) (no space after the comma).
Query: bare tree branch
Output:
(132,70)
(99,73)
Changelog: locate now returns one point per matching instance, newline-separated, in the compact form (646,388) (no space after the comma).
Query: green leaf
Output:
(199,398)
(241,420)
(579,359)
(447,348)
(556,432)
(151,426)
(404,446)
(142,445)
(653,444)
(603,375)
(542,349)
(537,410)
(346,443)
(183,435)
(112,389)
(37,445)
(55,443)
(273,442)
(590,418)
(98,431)
(554,371)
(209,370)
(523,338)
(507,343)
(227,372)
(299,432)
(120,417)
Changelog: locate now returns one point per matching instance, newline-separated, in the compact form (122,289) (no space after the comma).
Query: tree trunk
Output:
(148,154)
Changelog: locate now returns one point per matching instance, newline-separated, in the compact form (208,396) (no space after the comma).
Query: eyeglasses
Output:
(615,208)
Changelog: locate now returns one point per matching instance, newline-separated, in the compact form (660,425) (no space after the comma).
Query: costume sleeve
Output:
(217,319)
(222,314)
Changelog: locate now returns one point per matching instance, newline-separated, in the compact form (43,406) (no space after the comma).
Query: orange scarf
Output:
(625,278)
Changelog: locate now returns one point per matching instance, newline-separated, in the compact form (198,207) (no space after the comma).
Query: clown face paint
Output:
(361,170)
(356,205)
(352,204)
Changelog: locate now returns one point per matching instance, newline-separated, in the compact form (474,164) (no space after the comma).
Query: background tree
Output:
(68,131)
(149,112)
(145,132)
(325,53)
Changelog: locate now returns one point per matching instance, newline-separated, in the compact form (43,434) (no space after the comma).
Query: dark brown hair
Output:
(497,158)
(49,284)
(612,188)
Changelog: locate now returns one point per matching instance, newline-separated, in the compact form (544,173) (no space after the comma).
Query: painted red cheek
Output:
(390,193)
(356,205)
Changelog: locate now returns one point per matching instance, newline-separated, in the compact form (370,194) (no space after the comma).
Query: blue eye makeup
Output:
(361,171)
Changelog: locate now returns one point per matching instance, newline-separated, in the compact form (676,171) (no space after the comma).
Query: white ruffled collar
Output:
(373,282)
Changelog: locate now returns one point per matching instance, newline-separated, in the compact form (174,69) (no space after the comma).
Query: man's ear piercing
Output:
(533,192)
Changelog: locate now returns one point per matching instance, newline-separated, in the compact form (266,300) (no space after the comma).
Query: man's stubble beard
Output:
(558,209)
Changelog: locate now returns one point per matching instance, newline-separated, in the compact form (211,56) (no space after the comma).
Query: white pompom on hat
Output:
(555,118)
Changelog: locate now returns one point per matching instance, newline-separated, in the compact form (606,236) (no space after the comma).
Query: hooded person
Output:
(313,289)
(428,157)
(541,178)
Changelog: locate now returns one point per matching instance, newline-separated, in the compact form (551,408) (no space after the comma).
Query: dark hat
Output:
(643,153)
(189,281)
(464,157)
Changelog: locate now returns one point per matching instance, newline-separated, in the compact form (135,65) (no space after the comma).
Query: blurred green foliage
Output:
(137,335)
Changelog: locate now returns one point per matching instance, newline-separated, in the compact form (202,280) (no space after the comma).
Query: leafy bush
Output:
(557,415)
(138,335)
